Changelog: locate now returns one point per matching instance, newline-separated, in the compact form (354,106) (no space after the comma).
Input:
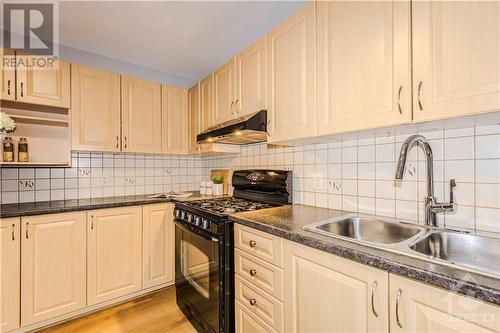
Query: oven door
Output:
(197,258)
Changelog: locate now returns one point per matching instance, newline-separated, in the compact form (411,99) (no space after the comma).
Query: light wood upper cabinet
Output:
(207,102)
(423,308)
(53,266)
(456,58)
(95,109)
(141,115)
(251,79)
(326,293)
(114,264)
(224,92)
(194,117)
(49,87)
(10,269)
(174,107)
(158,244)
(291,77)
(364,66)
(7,76)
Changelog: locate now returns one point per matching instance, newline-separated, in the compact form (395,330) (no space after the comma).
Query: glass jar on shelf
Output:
(8,149)
(22,150)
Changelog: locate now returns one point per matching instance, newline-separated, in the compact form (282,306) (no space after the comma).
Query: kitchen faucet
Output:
(431,205)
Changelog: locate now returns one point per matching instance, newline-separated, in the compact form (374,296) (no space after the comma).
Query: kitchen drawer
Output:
(246,322)
(260,303)
(266,276)
(260,244)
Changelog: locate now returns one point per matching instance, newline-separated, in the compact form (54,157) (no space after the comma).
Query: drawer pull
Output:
(252,243)
(253,272)
(253,301)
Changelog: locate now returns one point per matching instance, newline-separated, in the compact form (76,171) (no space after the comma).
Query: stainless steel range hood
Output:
(248,129)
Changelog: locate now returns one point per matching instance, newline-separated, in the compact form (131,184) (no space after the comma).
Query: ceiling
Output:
(183,38)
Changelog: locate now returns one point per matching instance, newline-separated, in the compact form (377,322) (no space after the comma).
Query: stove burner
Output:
(226,206)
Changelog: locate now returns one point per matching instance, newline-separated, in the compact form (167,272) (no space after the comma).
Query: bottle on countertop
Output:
(8,149)
(22,150)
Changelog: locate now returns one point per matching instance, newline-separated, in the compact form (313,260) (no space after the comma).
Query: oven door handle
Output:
(196,232)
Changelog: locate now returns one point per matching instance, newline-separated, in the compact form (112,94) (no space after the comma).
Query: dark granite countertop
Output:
(287,222)
(61,206)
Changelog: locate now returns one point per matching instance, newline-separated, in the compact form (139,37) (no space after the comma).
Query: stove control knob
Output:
(183,215)
(205,224)
(190,218)
(177,213)
(197,221)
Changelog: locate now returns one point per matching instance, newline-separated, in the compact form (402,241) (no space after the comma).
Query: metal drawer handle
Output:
(252,243)
(398,299)
(374,289)
(253,272)
(418,96)
(399,100)
(13,232)
(253,301)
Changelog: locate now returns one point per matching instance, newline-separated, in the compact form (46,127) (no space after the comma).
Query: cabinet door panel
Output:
(456,58)
(95,109)
(114,253)
(158,244)
(141,115)
(224,95)
(174,119)
(423,308)
(49,87)
(7,75)
(291,75)
(251,79)
(326,293)
(207,102)
(194,117)
(363,65)
(10,270)
(53,266)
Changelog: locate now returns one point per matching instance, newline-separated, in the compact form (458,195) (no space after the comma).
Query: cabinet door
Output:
(251,79)
(224,95)
(141,115)
(43,86)
(456,58)
(53,266)
(291,76)
(95,109)
(10,270)
(174,120)
(158,244)
(326,293)
(423,308)
(114,253)
(7,75)
(207,102)
(363,65)
(194,117)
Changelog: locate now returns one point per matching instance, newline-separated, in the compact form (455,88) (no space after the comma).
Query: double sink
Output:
(471,252)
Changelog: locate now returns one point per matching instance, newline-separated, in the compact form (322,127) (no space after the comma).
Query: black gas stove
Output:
(204,263)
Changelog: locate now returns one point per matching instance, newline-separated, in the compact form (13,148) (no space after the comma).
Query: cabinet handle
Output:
(13,232)
(374,289)
(398,299)
(117,141)
(418,96)
(252,243)
(27,226)
(399,100)
(91,222)
(253,272)
(236,106)
(125,142)
(22,93)
(253,301)
(8,87)
(231,107)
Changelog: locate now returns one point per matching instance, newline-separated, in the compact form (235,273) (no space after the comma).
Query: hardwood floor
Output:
(155,313)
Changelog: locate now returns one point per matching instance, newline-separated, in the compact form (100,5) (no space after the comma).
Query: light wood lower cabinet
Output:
(114,265)
(326,293)
(423,308)
(158,241)
(53,265)
(10,269)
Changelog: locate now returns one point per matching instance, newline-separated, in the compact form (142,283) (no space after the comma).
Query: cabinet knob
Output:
(253,301)
(253,272)
(252,243)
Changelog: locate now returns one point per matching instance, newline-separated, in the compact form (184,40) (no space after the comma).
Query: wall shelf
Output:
(34,164)
(39,120)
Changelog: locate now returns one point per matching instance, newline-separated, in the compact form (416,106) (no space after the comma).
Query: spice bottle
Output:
(8,149)
(22,150)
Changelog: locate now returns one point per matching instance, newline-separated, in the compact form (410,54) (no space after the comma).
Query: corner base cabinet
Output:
(10,270)
(114,253)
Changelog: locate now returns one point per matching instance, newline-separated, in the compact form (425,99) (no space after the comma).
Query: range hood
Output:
(248,129)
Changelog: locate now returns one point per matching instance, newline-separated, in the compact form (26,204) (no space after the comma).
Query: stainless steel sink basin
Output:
(476,252)
(366,229)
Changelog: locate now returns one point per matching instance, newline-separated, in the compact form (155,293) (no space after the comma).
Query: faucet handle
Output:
(453,203)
